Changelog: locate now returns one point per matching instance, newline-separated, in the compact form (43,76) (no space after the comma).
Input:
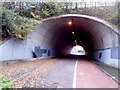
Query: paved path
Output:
(57,73)
(61,73)
(89,76)
(46,73)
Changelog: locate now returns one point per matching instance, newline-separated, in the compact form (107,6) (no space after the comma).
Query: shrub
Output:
(5,83)
(15,25)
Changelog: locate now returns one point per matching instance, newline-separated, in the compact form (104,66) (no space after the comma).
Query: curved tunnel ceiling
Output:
(90,32)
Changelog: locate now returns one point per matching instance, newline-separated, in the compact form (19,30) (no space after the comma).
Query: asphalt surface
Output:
(61,73)
(57,73)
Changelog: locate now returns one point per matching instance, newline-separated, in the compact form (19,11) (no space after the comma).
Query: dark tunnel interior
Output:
(87,32)
(64,38)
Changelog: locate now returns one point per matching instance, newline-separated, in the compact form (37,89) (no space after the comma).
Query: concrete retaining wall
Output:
(109,56)
(20,49)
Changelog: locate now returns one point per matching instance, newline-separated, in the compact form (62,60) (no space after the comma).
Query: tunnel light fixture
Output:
(76,42)
(70,23)
(73,32)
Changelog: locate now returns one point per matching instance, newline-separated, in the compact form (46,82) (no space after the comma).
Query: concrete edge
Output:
(106,73)
(22,60)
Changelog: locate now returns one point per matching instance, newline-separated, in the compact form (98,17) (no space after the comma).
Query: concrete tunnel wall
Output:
(99,39)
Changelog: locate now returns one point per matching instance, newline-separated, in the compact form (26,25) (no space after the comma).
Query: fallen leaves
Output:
(28,74)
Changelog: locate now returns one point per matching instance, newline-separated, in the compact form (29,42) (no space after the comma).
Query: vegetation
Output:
(34,9)
(18,19)
(14,25)
(115,19)
(5,83)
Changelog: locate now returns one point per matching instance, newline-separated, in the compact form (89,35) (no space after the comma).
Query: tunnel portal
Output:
(61,33)
(56,36)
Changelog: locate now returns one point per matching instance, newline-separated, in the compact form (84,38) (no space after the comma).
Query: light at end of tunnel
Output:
(70,23)
(77,50)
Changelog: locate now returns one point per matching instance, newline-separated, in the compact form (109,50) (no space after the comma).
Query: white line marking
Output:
(106,73)
(74,77)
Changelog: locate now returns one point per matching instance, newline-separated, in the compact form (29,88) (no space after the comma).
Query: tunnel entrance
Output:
(56,36)
(77,50)
(59,34)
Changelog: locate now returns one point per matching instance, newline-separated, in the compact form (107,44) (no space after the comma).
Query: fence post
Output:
(85,4)
(105,4)
(95,4)
(76,6)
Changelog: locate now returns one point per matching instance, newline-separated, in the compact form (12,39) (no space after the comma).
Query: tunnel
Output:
(96,36)
(99,38)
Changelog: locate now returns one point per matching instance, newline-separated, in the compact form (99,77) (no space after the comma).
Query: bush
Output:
(5,83)
(15,25)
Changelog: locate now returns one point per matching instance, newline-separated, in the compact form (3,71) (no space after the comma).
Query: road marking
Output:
(81,73)
(106,73)
(74,77)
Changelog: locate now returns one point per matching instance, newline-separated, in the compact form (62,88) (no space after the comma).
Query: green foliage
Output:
(115,18)
(34,9)
(18,19)
(17,26)
(43,10)
(5,83)
(22,11)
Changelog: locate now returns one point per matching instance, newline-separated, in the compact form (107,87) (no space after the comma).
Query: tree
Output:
(15,25)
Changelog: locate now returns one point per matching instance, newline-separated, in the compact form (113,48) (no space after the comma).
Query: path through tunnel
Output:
(61,33)
(53,39)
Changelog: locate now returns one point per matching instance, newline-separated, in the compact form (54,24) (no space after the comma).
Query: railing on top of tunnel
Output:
(103,10)
(77,5)
(85,4)
(69,6)
(47,9)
